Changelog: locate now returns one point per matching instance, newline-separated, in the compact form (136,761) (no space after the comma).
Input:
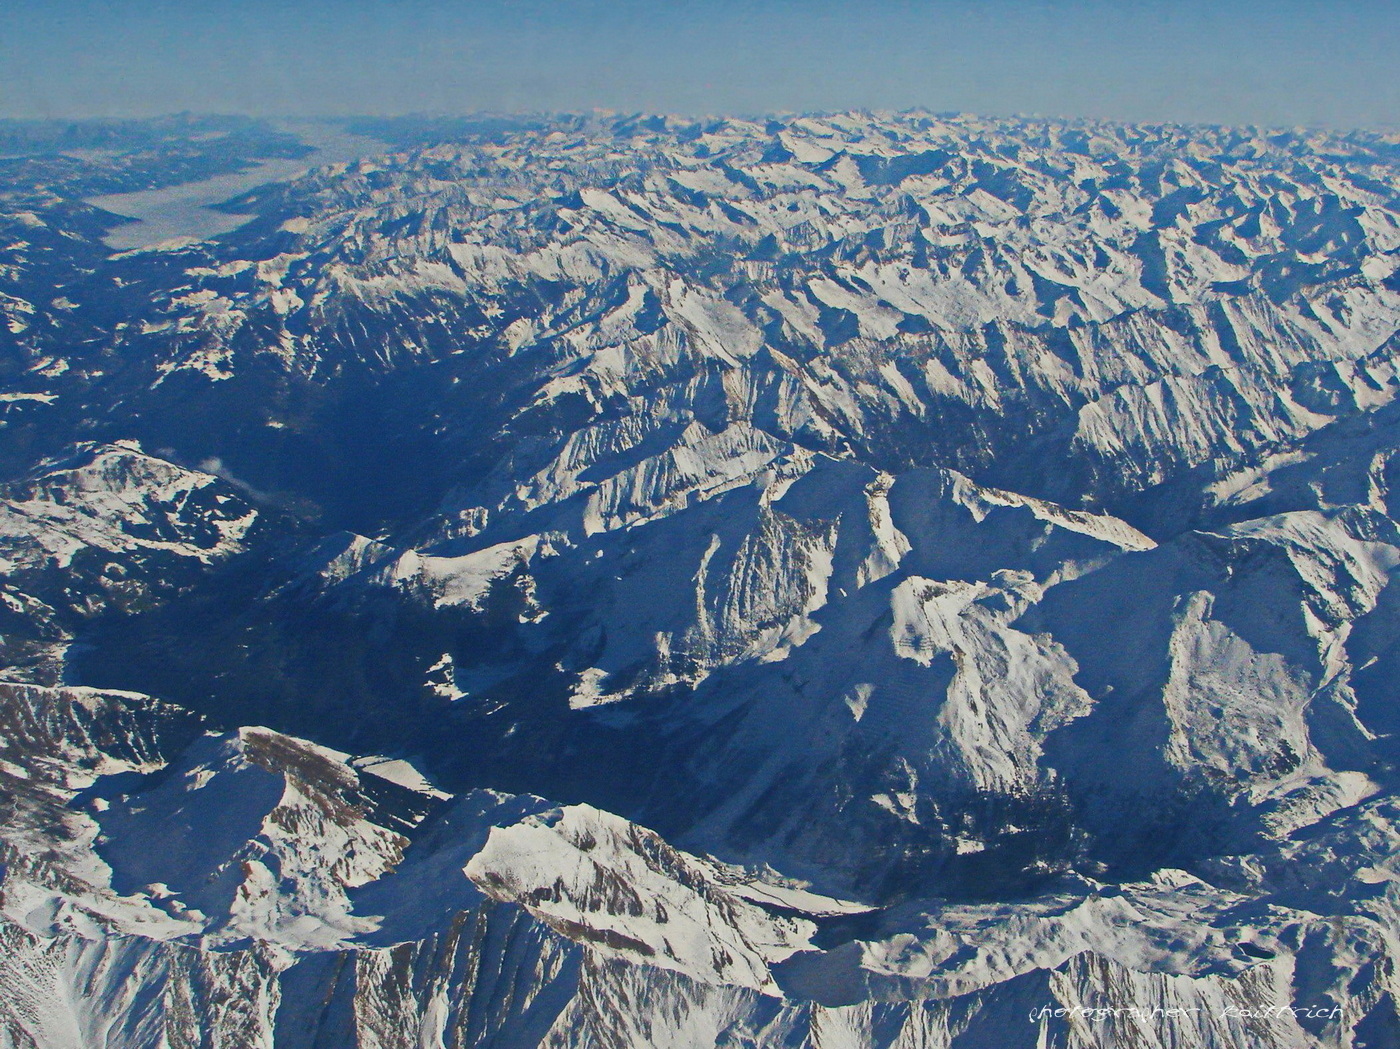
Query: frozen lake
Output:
(182,213)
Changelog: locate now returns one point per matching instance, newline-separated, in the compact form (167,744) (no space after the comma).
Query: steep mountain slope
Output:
(110,529)
(965,545)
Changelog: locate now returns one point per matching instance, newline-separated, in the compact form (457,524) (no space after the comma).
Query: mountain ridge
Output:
(911,580)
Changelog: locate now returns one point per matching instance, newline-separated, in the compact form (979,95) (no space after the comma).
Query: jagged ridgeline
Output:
(893,581)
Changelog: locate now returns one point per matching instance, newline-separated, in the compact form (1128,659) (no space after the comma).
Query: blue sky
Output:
(1229,61)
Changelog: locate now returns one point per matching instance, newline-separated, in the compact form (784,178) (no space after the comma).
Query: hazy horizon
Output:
(1295,62)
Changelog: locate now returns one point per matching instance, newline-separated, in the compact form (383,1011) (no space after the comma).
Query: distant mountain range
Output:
(881,580)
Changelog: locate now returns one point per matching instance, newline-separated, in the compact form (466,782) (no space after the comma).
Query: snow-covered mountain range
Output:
(864,579)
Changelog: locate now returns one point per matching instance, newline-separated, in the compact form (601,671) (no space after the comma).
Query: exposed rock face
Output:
(871,580)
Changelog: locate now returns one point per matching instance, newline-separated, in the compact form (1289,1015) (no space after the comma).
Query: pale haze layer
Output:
(1282,62)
